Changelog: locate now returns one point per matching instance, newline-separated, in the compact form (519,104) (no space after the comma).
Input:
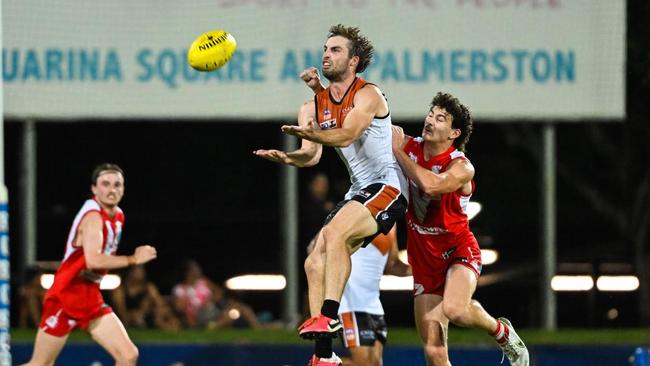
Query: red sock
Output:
(501,333)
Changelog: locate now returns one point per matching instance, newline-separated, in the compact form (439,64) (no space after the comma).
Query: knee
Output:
(331,237)
(454,312)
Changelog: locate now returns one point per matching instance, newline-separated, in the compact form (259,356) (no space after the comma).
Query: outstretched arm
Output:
(368,102)
(309,152)
(459,172)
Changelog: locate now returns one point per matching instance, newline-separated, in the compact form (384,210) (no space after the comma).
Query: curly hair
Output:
(361,46)
(462,118)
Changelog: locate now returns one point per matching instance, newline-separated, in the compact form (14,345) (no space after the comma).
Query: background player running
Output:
(74,300)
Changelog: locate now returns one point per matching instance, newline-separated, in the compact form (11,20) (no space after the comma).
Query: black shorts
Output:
(386,204)
(363,329)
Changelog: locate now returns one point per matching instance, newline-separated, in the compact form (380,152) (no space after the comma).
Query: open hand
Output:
(305,132)
(276,156)
(294,130)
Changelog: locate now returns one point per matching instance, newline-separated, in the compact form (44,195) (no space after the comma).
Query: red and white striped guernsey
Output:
(444,214)
(69,287)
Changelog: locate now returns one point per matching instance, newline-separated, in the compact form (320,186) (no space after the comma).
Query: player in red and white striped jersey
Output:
(75,300)
(443,252)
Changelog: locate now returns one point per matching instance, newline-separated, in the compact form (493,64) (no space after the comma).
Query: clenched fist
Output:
(144,254)
(311,77)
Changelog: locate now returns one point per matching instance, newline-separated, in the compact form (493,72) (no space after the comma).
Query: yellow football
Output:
(211,50)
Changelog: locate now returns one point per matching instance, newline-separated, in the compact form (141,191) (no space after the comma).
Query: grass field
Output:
(396,336)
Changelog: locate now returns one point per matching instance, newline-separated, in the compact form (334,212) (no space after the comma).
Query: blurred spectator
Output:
(315,207)
(31,298)
(203,304)
(139,304)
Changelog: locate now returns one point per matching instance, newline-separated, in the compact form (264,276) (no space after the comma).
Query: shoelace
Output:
(509,350)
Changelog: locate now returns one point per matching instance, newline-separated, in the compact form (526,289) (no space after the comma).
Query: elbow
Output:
(308,162)
(312,162)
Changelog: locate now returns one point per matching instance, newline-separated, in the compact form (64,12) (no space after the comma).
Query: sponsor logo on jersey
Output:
(328,124)
(364,194)
(427,230)
(413,157)
(436,169)
(327,114)
(384,216)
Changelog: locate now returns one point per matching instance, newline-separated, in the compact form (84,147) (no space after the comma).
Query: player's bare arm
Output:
(309,152)
(368,103)
(459,173)
(90,235)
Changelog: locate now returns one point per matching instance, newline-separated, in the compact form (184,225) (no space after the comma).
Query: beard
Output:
(333,75)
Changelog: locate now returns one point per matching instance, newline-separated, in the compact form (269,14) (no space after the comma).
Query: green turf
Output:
(396,336)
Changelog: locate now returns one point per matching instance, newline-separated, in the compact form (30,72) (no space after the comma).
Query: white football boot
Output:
(514,348)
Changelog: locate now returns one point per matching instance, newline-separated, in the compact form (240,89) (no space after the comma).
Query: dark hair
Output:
(361,46)
(102,168)
(462,118)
